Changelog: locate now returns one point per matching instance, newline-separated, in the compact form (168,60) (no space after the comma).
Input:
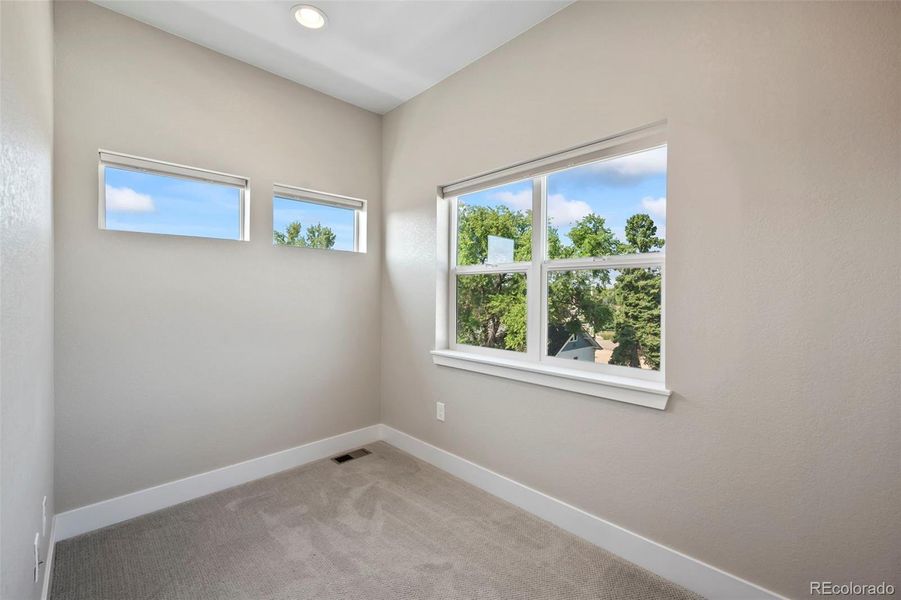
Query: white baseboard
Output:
(670,564)
(108,512)
(48,562)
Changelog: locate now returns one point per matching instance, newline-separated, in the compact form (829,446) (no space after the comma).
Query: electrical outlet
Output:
(44,517)
(439,413)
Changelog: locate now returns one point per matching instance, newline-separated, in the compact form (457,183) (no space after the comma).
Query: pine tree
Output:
(637,293)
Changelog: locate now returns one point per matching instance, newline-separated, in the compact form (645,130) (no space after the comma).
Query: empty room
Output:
(450,300)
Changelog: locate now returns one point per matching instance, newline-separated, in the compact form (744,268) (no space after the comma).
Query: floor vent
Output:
(351,455)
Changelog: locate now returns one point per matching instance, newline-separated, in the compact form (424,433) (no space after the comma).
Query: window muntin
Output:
(148,196)
(618,223)
(310,219)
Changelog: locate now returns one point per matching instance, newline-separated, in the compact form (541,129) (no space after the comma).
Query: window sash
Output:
(538,268)
(618,370)
(452,319)
(537,313)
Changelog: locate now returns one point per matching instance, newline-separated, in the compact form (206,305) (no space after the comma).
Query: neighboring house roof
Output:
(578,341)
(559,340)
(556,337)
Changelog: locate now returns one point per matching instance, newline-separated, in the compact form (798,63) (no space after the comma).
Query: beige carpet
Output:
(381,527)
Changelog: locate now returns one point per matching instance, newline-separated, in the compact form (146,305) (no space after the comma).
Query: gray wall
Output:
(778,457)
(179,355)
(26,289)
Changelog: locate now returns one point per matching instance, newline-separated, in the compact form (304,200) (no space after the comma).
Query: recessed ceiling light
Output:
(309,16)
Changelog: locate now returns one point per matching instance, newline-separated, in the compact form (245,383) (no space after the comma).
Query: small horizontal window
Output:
(149,196)
(309,219)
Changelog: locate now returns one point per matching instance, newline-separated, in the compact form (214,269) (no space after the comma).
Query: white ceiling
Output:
(375,54)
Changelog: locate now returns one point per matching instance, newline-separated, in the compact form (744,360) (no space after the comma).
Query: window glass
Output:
(155,203)
(312,225)
(605,316)
(613,206)
(494,226)
(491,310)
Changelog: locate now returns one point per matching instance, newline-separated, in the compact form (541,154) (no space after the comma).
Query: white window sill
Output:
(622,389)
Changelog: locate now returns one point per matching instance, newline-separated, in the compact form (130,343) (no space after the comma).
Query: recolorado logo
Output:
(829,588)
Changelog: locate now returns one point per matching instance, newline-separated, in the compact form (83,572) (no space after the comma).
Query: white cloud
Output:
(655,206)
(521,200)
(633,166)
(562,211)
(125,199)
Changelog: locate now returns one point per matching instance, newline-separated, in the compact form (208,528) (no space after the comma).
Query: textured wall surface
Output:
(778,458)
(26,289)
(178,355)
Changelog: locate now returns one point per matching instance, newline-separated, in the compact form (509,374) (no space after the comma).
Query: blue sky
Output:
(340,220)
(152,203)
(615,189)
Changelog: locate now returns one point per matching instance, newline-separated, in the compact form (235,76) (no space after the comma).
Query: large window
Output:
(309,219)
(555,268)
(150,196)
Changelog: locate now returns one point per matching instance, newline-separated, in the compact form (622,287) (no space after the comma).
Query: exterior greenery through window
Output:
(316,236)
(313,224)
(600,267)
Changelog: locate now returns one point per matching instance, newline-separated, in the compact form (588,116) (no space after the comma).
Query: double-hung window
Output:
(152,196)
(553,270)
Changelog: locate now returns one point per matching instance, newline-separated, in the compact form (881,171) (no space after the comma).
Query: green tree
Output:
(637,297)
(317,236)
(578,300)
(591,237)
(476,223)
(291,236)
(641,234)
(491,309)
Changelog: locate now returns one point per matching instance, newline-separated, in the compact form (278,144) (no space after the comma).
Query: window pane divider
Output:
(534,301)
(652,259)
(517,267)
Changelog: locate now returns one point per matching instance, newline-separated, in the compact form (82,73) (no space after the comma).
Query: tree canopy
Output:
(316,236)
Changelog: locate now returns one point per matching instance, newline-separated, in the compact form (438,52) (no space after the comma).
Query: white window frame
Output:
(358,205)
(117,160)
(615,382)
